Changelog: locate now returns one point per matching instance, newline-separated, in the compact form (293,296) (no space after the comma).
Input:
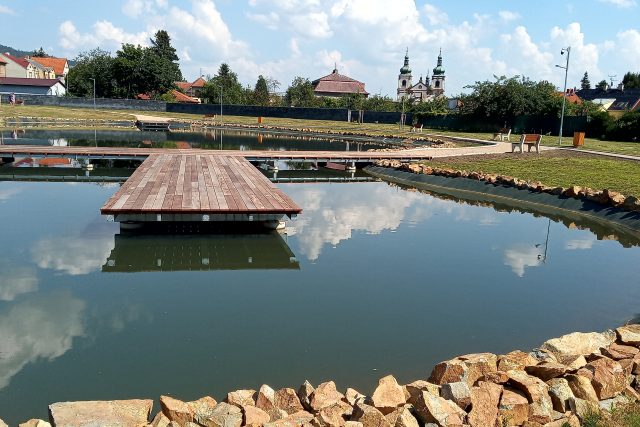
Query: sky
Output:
(367,39)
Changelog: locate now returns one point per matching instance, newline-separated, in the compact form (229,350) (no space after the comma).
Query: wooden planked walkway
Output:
(198,184)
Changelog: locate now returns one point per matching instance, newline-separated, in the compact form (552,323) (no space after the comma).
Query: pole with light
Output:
(94,93)
(564,50)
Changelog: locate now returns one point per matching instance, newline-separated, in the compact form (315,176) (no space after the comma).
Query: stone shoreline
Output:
(556,385)
(604,197)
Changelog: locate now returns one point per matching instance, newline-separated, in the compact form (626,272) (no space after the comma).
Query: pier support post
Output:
(351,167)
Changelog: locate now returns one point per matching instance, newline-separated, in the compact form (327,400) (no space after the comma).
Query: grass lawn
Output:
(555,169)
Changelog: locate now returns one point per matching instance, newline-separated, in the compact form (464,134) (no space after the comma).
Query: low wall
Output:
(112,104)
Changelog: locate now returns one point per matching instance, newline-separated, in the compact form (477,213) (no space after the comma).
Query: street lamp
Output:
(94,93)
(220,86)
(564,93)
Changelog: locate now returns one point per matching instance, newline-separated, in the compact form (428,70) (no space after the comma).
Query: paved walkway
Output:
(498,148)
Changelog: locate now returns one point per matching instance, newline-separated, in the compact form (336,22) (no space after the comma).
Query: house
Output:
(184,99)
(3,68)
(40,71)
(17,67)
(32,86)
(60,66)
(336,85)
(614,101)
(571,96)
(194,89)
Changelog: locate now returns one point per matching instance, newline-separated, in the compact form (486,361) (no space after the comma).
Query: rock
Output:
(242,398)
(573,191)
(582,408)
(435,409)
(468,368)
(573,363)
(515,360)
(330,416)
(607,377)
(631,203)
(619,351)
(202,407)
(351,396)
(132,413)
(582,388)
(3,424)
(485,398)
(629,334)
(458,392)
(254,416)
(609,404)
(498,377)
(301,417)
(513,407)
(388,395)
(560,393)
(566,421)
(578,343)
(615,198)
(35,423)
(353,424)
(223,415)
(546,370)
(176,410)
(595,196)
(304,394)
(287,400)
(543,356)
(631,393)
(369,416)
(325,395)
(402,417)
(160,420)
(540,405)
(265,399)
(415,389)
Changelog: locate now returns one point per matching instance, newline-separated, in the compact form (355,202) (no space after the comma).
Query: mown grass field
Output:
(555,169)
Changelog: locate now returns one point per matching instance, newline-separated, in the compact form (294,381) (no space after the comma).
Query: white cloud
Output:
(629,46)
(434,15)
(269,20)
(313,24)
(135,8)
(6,10)
(105,35)
(625,4)
(579,244)
(8,193)
(508,16)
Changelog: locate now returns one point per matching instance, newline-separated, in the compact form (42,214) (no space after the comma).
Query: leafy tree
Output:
(272,84)
(435,106)
(602,85)
(40,53)
(300,93)
(161,46)
(261,92)
(130,69)
(380,103)
(631,80)
(163,61)
(584,82)
(227,80)
(95,64)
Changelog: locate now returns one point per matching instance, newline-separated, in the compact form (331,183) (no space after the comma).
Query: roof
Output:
(57,64)
(199,82)
(571,97)
(181,97)
(20,61)
(623,99)
(21,81)
(184,86)
(38,65)
(339,84)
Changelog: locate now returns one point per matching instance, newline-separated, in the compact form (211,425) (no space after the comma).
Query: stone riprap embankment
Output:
(604,197)
(558,384)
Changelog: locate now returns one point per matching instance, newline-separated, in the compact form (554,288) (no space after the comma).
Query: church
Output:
(423,90)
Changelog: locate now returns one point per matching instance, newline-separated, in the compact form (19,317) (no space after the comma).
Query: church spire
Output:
(406,69)
(439,70)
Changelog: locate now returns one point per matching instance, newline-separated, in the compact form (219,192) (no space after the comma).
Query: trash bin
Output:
(578,139)
(259,119)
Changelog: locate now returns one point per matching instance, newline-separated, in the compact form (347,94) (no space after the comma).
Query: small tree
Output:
(585,83)
(40,53)
(300,93)
(602,85)
(631,80)
(261,92)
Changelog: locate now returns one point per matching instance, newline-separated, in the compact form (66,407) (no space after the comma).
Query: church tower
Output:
(437,80)
(404,79)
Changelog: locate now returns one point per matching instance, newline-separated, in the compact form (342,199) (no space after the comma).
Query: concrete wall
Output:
(114,104)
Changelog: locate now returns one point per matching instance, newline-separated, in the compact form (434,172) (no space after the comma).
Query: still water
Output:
(371,279)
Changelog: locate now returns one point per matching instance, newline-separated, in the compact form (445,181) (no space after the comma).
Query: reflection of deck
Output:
(175,187)
(140,253)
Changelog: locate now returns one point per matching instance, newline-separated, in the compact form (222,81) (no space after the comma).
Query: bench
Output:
(530,139)
(503,134)
(417,128)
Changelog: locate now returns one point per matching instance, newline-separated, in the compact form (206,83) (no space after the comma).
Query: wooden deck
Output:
(198,187)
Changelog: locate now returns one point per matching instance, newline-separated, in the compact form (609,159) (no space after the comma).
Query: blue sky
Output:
(366,38)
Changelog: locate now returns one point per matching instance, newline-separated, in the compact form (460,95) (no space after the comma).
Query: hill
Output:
(14,52)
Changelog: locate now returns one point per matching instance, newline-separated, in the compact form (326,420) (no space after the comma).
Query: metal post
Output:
(564,93)
(221,117)
(94,93)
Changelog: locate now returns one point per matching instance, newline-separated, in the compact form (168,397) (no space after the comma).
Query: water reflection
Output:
(164,252)
(16,280)
(38,327)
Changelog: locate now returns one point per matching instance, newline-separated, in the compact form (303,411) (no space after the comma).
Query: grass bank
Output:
(555,168)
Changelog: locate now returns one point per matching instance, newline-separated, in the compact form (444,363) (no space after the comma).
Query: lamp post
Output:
(564,50)
(94,93)
(220,116)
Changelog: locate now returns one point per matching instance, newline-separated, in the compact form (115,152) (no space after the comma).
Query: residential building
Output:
(60,66)
(424,90)
(194,89)
(336,85)
(31,86)
(3,68)
(40,71)
(183,98)
(17,67)
(614,101)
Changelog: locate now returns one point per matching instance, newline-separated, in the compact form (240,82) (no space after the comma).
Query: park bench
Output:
(504,134)
(530,139)
(417,128)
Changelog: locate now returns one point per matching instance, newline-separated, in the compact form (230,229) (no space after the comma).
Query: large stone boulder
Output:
(388,395)
(560,393)
(176,410)
(330,416)
(547,370)
(351,396)
(629,334)
(369,416)
(619,351)
(287,400)
(266,398)
(435,409)
(537,392)
(414,390)
(223,415)
(513,407)
(35,423)
(578,343)
(582,388)
(324,395)
(242,398)
(468,368)
(160,420)
(515,360)
(3,424)
(607,377)
(402,417)
(485,398)
(103,413)
(459,393)
(582,408)
(202,407)
(254,416)
(304,394)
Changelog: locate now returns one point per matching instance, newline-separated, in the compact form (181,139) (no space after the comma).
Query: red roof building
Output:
(185,99)
(60,65)
(192,89)
(336,85)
